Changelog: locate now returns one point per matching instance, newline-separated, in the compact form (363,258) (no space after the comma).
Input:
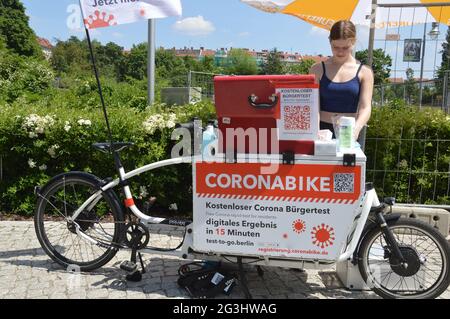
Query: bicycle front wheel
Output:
(425,274)
(101,222)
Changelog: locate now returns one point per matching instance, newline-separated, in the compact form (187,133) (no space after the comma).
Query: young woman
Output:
(346,86)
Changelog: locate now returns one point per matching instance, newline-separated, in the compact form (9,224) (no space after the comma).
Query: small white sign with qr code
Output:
(299,113)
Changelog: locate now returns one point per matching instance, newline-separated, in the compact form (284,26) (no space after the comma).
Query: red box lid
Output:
(301,78)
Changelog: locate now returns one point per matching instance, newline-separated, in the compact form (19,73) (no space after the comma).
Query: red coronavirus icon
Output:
(323,236)
(99,20)
(298,226)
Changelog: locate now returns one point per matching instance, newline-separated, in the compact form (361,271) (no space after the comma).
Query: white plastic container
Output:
(346,129)
(209,143)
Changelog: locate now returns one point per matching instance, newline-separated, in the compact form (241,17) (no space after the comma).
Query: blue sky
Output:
(234,24)
(221,23)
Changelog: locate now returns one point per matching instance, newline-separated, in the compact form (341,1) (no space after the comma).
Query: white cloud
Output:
(194,26)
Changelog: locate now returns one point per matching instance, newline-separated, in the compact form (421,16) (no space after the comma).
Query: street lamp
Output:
(434,33)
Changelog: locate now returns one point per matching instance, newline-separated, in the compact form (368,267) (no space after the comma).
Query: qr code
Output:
(344,182)
(297,118)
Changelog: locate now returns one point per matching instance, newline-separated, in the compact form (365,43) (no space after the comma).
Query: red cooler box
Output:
(267,101)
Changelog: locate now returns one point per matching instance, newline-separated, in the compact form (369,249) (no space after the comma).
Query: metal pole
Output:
(151,62)
(99,86)
(189,80)
(414,5)
(373,17)
(422,63)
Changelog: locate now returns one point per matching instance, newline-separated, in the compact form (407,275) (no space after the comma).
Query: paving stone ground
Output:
(27,272)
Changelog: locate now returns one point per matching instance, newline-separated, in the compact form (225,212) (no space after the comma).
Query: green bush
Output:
(23,77)
(38,142)
(408,153)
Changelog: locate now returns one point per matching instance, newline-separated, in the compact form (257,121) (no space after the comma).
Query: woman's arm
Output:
(365,99)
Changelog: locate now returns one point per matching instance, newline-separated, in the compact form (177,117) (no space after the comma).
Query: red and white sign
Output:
(299,112)
(302,211)
(105,13)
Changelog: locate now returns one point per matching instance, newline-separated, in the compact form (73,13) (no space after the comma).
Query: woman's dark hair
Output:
(343,30)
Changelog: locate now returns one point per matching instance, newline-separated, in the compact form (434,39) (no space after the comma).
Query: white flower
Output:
(37,124)
(170,124)
(67,126)
(84,122)
(43,167)
(172,117)
(31,163)
(52,150)
(32,135)
(39,130)
(143,191)
(160,122)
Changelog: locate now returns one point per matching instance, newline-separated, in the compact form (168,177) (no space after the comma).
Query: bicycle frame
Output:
(368,200)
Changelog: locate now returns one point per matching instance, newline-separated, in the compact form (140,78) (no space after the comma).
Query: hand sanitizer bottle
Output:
(346,131)
(208,144)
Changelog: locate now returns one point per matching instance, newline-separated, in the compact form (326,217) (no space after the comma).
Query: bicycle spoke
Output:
(432,262)
(61,203)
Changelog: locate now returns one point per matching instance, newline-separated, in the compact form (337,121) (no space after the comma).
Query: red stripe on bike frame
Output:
(129,202)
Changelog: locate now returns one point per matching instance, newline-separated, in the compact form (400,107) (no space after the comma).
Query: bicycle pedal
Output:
(128,266)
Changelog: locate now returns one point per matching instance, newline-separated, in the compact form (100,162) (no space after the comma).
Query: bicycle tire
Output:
(421,230)
(48,216)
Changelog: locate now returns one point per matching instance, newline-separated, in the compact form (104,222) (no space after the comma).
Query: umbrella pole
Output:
(373,17)
(91,51)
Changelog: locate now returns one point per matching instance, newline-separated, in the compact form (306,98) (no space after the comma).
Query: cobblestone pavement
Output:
(27,272)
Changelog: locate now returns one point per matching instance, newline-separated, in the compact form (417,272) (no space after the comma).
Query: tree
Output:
(14,28)
(171,68)
(410,86)
(381,64)
(273,64)
(240,62)
(300,68)
(71,56)
(136,62)
(110,59)
(207,64)
(445,64)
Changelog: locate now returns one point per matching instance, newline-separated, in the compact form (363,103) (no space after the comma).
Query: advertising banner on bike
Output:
(302,211)
(105,13)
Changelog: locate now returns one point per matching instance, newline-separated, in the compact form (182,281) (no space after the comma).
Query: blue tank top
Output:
(339,97)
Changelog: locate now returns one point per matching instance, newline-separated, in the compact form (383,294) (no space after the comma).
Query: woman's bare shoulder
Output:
(366,75)
(316,68)
(366,71)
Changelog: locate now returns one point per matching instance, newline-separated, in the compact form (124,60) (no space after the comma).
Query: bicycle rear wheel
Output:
(426,273)
(101,222)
